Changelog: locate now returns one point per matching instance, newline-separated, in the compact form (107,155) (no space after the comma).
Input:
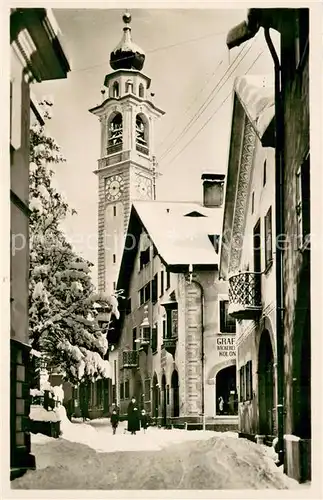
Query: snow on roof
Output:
(256,94)
(179,238)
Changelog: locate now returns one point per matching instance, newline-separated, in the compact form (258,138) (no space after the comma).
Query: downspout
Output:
(279,220)
(202,348)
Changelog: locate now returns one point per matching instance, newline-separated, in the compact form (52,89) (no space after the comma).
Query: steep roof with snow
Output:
(257,96)
(180,236)
(179,233)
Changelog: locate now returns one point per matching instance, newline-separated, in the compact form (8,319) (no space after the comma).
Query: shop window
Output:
(227,322)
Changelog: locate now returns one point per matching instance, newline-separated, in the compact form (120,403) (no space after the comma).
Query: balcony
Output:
(129,359)
(142,149)
(114,148)
(245,295)
(169,344)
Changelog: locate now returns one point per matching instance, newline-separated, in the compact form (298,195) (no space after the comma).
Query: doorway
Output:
(226,391)
(266,385)
(175,394)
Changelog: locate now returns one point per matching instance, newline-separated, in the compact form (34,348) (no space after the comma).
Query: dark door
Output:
(164,402)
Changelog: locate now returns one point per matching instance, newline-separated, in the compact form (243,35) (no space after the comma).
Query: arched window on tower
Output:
(142,134)
(141,90)
(115,91)
(129,87)
(115,134)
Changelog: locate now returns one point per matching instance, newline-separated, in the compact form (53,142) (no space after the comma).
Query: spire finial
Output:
(126,18)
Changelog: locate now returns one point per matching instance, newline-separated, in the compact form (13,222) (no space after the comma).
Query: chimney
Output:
(213,185)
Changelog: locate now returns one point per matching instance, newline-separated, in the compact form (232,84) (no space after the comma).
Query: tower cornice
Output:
(128,72)
(100,109)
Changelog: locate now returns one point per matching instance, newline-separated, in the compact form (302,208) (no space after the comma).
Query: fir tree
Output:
(62,317)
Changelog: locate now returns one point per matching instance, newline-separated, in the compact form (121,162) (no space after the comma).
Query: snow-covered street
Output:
(90,457)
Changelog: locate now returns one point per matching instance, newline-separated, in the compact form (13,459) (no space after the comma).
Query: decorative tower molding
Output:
(126,167)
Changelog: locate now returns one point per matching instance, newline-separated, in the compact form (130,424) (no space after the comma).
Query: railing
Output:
(142,149)
(244,294)
(114,148)
(130,359)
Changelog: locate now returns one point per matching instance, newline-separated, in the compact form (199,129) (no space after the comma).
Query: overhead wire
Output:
(209,98)
(213,114)
(164,47)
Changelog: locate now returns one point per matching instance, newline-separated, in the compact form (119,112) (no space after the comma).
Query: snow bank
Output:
(39,414)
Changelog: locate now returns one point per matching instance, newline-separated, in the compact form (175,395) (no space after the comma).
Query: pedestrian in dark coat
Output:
(114,420)
(133,416)
(144,420)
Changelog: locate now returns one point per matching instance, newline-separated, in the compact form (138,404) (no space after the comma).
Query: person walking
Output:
(133,416)
(114,420)
(144,420)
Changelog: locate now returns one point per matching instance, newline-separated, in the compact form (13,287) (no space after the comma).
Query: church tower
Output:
(126,168)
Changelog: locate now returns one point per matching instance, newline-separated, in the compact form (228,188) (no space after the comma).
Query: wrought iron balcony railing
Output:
(245,295)
(130,359)
(142,149)
(114,148)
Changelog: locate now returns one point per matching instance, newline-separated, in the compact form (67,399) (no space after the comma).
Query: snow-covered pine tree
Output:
(62,316)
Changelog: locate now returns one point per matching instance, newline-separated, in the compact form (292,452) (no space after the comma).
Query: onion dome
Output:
(127,55)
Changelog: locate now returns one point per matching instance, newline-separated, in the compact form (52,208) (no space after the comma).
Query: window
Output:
(264,173)
(161,283)
(147,292)
(99,393)
(172,330)
(154,338)
(167,280)
(126,390)
(115,128)
(114,258)
(115,89)
(154,292)
(268,239)
(227,322)
(303,203)
(114,211)
(121,390)
(144,257)
(164,328)
(141,90)
(142,296)
(129,87)
(242,384)
(142,134)
(248,372)
(253,202)
(134,338)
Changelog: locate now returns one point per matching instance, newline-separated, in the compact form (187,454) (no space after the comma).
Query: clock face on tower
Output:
(114,187)
(143,187)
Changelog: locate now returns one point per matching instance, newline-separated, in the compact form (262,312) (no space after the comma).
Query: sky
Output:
(189,66)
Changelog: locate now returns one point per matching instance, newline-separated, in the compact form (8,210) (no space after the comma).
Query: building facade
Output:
(175,341)
(36,55)
(292,166)
(247,254)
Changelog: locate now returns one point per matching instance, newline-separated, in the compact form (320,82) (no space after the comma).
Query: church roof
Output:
(127,55)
